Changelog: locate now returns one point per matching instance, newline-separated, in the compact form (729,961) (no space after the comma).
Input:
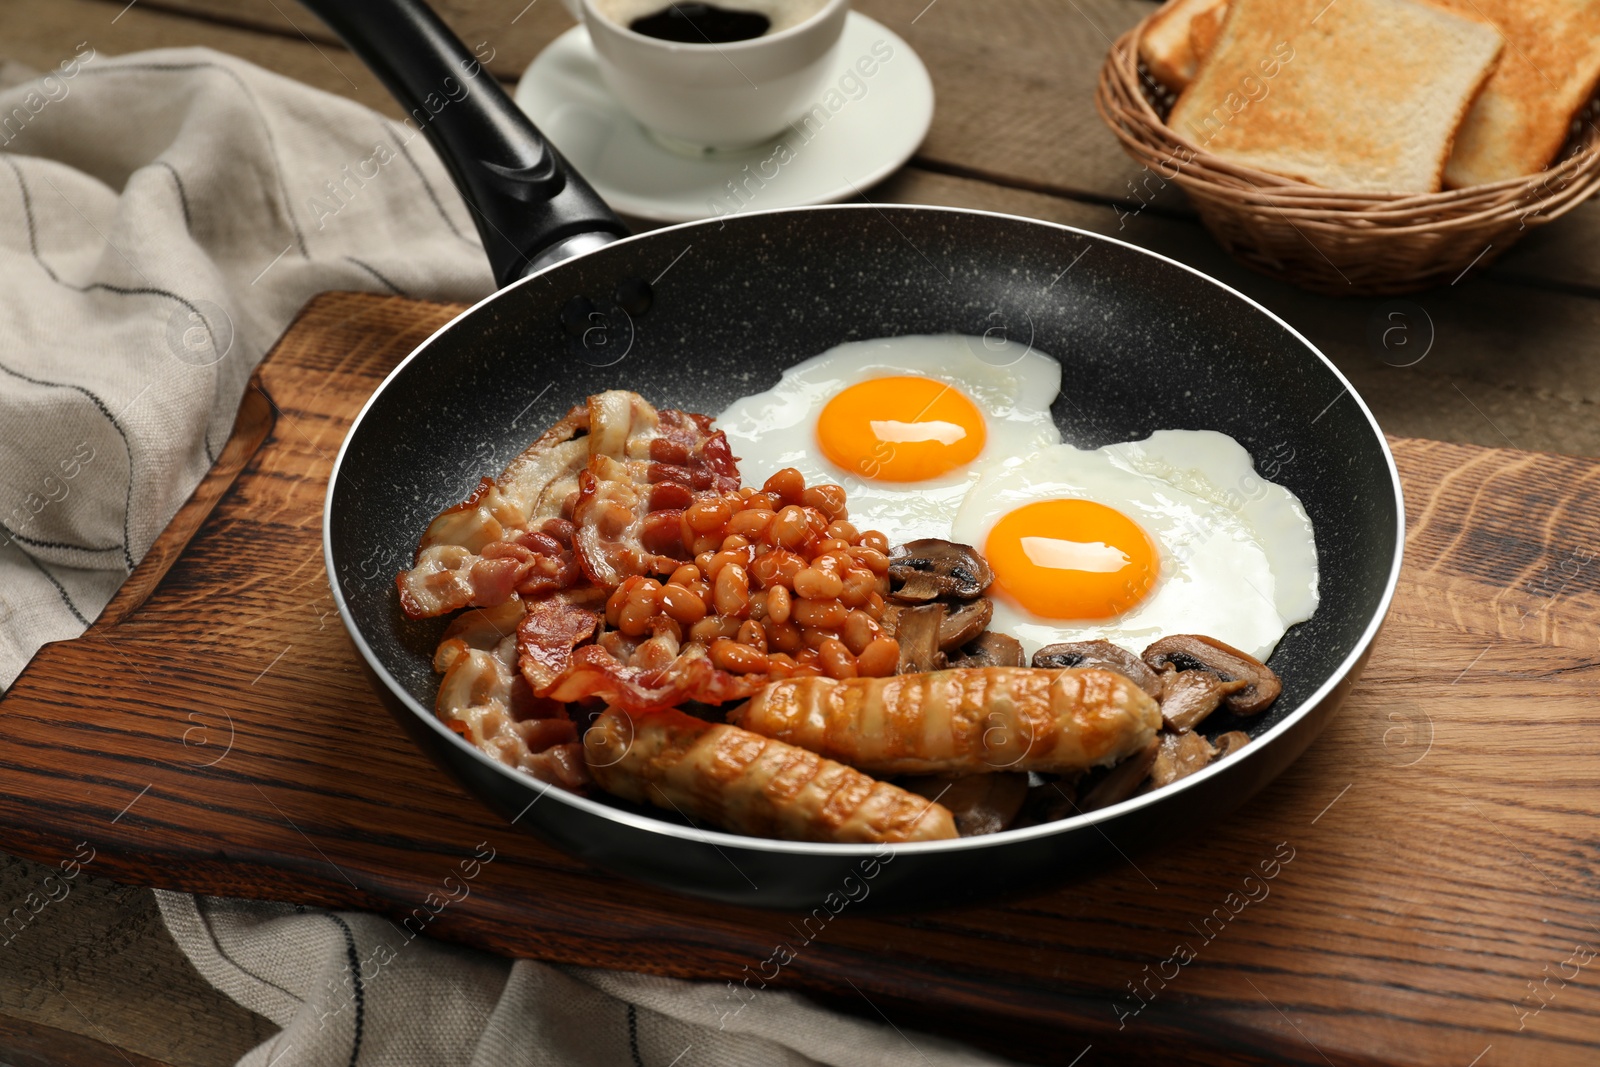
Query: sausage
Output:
(749,784)
(962,721)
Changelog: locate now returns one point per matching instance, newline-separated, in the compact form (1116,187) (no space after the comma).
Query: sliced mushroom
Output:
(981,803)
(1187,697)
(1179,756)
(1123,780)
(1050,798)
(917,630)
(963,623)
(990,649)
(1230,742)
(1101,654)
(929,568)
(1193,652)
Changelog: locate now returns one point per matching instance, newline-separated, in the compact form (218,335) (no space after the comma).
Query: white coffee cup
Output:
(695,97)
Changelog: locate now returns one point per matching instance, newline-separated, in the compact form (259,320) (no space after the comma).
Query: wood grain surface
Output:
(1432,857)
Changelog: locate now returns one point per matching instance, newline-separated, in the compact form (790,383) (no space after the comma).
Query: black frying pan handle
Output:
(528,202)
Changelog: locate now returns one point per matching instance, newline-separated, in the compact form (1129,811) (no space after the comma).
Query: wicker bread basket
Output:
(1341,243)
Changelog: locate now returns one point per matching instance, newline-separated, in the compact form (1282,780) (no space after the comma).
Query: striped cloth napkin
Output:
(164,216)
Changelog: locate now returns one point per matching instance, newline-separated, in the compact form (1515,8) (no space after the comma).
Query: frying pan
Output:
(1145,344)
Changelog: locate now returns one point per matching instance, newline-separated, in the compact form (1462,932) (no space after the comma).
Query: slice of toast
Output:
(1354,94)
(1204,28)
(1165,47)
(1547,74)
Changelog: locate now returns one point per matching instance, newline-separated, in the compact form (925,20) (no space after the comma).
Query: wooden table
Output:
(1509,366)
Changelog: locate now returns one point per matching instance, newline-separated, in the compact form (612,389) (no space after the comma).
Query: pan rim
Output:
(719,838)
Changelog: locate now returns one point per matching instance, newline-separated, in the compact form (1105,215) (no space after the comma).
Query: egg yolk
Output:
(1072,559)
(901,429)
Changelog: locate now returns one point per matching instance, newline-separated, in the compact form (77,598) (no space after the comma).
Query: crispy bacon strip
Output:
(645,467)
(508,537)
(483,699)
(558,664)
(750,784)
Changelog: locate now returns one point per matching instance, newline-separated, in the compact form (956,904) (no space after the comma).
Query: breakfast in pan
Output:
(904,611)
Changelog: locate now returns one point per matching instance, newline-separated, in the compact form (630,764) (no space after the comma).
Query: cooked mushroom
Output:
(929,568)
(981,803)
(917,630)
(990,649)
(1123,780)
(1100,654)
(1192,652)
(1179,756)
(1187,697)
(962,623)
(1230,742)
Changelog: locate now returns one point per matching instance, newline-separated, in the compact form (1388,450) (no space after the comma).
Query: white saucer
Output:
(863,140)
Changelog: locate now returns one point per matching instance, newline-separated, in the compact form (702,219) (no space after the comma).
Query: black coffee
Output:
(696,23)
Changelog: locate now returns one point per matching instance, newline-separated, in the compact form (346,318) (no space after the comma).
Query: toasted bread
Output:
(1203,30)
(1356,94)
(1547,74)
(1165,45)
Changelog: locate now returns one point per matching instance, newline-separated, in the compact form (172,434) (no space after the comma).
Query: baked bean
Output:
(741,659)
(684,575)
(858,587)
(871,558)
(777,567)
(843,531)
(788,484)
(779,665)
(828,498)
(819,614)
(879,659)
(722,559)
(680,603)
(819,521)
(751,633)
(875,605)
(732,595)
(833,546)
(874,540)
(708,516)
(813,583)
(618,597)
(750,523)
(837,662)
(634,618)
(790,529)
(733,541)
(858,632)
(784,636)
(704,543)
(778,604)
(712,627)
(655,654)
(763,502)
(702,560)
(808,657)
(758,605)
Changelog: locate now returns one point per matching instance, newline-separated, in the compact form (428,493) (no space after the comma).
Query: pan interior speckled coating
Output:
(1145,344)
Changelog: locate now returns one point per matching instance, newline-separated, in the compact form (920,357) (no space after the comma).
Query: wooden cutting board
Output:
(1421,887)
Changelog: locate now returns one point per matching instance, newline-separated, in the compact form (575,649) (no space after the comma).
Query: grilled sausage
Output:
(960,721)
(753,785)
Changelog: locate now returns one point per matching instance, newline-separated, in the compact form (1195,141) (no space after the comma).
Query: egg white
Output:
(1013,386)
(1238,554)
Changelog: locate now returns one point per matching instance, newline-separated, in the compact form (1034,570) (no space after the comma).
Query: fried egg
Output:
(1175,534)
(905,424)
